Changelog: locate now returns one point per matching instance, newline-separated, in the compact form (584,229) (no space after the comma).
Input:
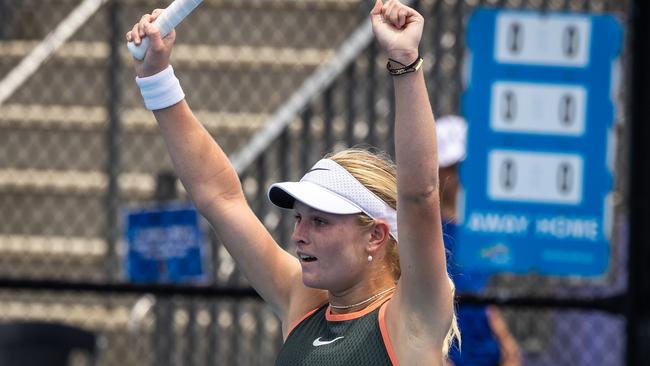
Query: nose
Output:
(299,234)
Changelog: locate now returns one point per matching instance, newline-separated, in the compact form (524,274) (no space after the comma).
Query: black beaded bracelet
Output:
(404,69)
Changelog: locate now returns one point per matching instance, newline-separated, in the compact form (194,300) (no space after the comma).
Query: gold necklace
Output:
(344,307)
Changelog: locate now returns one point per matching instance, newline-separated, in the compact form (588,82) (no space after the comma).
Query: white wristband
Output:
(160,90)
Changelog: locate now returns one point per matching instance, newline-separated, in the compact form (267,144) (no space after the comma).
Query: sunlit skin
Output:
(337,242)
(341,248)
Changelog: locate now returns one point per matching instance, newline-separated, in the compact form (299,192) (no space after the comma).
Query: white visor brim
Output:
(286,193)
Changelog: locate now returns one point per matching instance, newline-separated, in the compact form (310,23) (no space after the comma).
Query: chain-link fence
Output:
(77,149)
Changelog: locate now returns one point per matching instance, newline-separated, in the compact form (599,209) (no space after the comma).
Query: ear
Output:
(379,235)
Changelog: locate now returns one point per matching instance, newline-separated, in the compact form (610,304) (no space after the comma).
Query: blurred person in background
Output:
(352,295)
(487,341)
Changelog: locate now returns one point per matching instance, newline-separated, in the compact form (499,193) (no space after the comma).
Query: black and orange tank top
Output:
(326,339)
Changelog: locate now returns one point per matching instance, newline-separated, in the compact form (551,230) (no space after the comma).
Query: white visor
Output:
(328,187)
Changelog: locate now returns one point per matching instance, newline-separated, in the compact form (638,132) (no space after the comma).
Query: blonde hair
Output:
(377,172)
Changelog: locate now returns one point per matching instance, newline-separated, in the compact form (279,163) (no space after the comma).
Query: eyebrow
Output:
(312,211)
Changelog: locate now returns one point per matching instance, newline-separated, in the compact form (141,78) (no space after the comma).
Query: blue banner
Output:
(165,244)
(538,174)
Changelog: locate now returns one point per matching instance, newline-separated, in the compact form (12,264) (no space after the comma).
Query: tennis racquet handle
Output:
(168,20)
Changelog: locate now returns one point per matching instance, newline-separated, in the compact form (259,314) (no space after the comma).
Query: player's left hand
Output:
(398,30)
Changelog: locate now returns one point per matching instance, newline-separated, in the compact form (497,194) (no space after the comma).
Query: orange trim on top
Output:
(301,320)
(349,316)
(384,335)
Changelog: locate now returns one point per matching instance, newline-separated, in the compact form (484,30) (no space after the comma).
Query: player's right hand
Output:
(157,56)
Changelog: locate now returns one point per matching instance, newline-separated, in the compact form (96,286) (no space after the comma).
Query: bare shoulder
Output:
(416,338)
(304,301)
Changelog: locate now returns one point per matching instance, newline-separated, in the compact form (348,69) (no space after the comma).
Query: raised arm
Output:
(213,184)
(424,292)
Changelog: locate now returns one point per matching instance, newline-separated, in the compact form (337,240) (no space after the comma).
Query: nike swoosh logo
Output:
(318,342)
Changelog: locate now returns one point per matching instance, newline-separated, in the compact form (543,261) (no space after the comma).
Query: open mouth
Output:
(306,258)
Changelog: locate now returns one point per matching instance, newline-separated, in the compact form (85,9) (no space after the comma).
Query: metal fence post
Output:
(5,20)
(284,231)
(638,314)
(112,139)
(164,311)
(350,96)
(329,116)
(306,139)
(371,93)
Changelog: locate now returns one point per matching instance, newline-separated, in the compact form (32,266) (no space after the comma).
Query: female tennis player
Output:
(368,284)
